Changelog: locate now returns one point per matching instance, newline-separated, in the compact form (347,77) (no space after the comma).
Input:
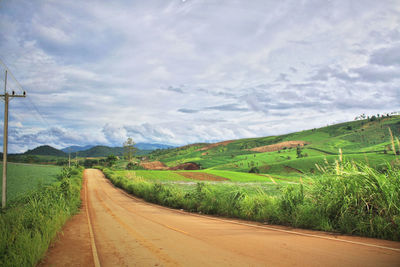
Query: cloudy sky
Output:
(179,72)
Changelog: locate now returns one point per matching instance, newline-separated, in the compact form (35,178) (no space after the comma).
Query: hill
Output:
(367,140)
(101,151)
(149,146)
(46,151)
(92,151)
(73,149)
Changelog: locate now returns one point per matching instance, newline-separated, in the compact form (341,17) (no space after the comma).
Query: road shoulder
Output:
(73,240)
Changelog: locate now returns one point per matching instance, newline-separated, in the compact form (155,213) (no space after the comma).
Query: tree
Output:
(111,159)
(129,149)
(298,151)
(88,163)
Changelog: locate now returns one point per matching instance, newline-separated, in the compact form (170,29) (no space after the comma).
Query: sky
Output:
(179,72)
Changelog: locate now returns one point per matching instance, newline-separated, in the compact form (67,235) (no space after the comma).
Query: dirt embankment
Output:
(202,176)
(186,166)
(154,165)
(279,146)
(224,143)
(158,165)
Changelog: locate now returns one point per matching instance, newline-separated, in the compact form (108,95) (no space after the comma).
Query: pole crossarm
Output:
(12,95)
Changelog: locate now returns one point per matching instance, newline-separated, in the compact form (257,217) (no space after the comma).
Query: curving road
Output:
(116,229)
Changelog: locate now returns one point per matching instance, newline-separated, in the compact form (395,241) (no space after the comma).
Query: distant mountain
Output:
(148,146)
(104,149)
(73,149)
(46,151)
(101,151)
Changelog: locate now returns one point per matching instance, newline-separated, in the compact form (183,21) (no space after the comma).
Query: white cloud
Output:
(187,71)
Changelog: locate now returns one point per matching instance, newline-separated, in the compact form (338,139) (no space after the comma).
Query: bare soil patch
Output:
(158,165)
(186,166)
(154,165)
(279,146)
(224,143)
(202,176)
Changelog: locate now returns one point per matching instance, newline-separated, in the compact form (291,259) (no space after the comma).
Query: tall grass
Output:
(346,197)
(353,199)
(28,225)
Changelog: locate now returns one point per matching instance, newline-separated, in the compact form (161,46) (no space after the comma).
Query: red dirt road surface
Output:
(124,231)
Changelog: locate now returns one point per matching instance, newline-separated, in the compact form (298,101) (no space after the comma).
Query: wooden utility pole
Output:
(5,139)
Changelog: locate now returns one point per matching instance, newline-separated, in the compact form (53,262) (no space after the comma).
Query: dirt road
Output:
(119,230)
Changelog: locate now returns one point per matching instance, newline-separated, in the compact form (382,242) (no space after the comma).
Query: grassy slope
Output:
(153,175)
(22,178)
(359,140)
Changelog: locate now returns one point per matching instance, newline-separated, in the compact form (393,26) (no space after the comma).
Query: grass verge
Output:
(29,224)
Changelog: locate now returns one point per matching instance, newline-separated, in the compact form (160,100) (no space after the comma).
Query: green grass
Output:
(239,177)
(28,225)
(153,175)
(307,165)
(22,178)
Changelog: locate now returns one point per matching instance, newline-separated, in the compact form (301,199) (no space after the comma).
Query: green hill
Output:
(101,151)
(362,140)
(45,151)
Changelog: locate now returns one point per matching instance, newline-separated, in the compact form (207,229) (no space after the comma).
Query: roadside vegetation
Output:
(31,221)
(345,197)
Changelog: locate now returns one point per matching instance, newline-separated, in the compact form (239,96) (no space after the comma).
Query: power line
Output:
(38,112)
(32,106)
(35,108)
(10,73)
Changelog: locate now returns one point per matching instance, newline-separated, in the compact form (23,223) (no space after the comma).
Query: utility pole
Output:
(5,139)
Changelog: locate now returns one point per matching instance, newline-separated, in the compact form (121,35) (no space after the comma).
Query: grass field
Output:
(22,178)
(232,176)
(153,175)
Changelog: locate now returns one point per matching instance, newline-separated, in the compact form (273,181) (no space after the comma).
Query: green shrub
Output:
(254,170)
